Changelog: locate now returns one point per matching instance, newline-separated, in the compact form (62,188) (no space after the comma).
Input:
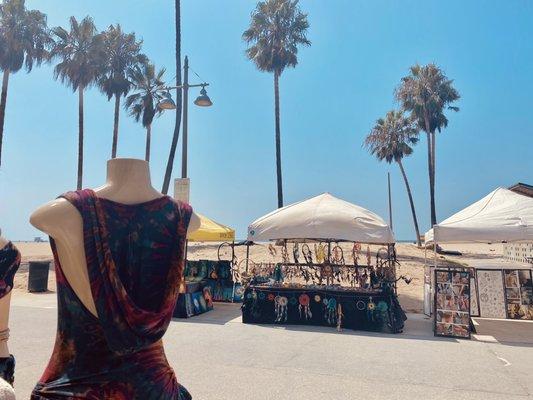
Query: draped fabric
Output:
(134,256)
(9,264)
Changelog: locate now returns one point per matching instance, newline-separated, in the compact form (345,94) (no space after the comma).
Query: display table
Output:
(370,310)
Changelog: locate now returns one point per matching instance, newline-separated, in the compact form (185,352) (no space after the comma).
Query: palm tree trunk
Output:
(176,135)
(278,140)
(415,220)
(148,139)
(3,101)
(115,126)
(431,170)
(433,160)
(80,137)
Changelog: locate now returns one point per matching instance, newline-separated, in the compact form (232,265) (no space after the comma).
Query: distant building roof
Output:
(522,188)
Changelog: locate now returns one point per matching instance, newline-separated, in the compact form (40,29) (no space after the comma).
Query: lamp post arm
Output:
(183,86)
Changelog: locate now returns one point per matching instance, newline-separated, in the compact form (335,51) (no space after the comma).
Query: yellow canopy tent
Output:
(211,231)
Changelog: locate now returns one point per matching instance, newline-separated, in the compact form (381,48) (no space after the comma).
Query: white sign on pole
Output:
(182,187)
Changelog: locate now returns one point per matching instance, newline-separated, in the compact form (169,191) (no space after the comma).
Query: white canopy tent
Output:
(501,216)
(323,217)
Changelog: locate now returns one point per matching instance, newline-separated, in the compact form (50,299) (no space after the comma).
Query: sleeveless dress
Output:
(134,257)
(9,264)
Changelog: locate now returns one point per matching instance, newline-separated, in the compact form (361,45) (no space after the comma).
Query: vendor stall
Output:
(497,289)
(317,284)
(206,281)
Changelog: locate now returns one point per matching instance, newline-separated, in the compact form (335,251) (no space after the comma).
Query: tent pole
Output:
(232,269)
(435,252)
(247,254)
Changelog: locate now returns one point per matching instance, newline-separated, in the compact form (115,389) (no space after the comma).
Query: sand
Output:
(410,257)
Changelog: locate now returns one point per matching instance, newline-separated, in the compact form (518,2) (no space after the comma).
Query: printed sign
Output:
(182,189)
(452,303)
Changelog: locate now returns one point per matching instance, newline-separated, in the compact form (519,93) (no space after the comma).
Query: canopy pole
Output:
(247,254)
(435,252)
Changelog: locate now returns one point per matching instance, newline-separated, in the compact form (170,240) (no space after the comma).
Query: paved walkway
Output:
(217,357)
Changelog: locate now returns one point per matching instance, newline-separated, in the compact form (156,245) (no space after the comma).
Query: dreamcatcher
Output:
(272,250)
(296,253)
(285,254)
(308,255)
(331,310)
(339,319)
(356,251)
(281,308)
(338,255)
(371,306)
(362,277)
(320,253)
(304,308)
(327,272)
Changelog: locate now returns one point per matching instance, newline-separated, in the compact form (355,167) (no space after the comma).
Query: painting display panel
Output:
(474,294)
(452,303)
(518,294)
(491,294)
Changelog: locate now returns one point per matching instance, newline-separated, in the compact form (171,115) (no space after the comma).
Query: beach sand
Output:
(410,257)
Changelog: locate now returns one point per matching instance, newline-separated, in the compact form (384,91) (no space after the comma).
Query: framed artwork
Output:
(518,294)
(474,294)
(452,303)
(491,293)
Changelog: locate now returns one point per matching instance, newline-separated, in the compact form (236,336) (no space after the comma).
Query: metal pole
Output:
(390,203)
(185,117)
(247,254)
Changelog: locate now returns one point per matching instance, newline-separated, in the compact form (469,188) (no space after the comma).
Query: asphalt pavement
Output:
(216,356)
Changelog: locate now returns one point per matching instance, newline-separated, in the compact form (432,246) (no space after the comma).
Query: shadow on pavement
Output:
(507,332)
(221,314)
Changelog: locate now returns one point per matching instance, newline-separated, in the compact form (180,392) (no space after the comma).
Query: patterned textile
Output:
(9,264)
(491,297)
(134,257)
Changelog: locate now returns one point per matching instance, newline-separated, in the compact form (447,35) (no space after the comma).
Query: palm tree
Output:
(276,30)
(391,140)
(426,92)
(176,134)
(24,41)
(122,51)
(81,60)
(142,105)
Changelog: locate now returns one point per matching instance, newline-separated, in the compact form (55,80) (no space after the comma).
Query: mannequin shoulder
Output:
(55,215)
(194,223)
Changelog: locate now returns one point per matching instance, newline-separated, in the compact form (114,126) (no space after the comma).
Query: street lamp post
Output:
(168,104)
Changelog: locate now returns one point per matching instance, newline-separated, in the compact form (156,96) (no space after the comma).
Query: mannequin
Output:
(128,182)
(4,310)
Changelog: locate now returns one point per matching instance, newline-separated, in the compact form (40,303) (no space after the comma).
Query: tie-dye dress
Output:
(9,264)
(134,257)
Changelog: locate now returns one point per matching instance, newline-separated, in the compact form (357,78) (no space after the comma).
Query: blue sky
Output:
(344,82)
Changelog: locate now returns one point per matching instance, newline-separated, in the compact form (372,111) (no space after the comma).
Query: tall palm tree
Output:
(24,41)
(81,61)
(148,87)
(391,140)
(426,92)
(276,30)
(122,51)
(176,134)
